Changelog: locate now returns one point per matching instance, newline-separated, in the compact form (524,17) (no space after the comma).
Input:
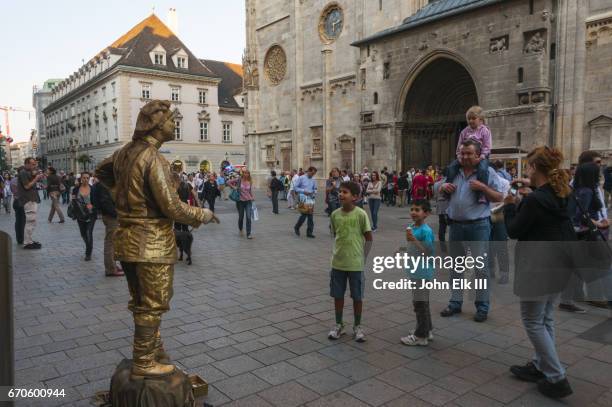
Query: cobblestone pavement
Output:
(252,317)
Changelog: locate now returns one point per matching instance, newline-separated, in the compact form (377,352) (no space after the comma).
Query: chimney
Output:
(172,20)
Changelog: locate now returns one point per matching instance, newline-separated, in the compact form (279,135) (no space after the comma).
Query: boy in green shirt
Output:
(353,239)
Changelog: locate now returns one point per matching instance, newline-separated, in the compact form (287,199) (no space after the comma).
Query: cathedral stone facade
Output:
(353,83)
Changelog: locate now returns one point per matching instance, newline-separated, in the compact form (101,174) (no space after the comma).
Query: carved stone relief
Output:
(499,44)
(275,64)
(535,42)
(251,73)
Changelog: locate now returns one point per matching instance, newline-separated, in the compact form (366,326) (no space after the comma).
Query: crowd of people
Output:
(481,205)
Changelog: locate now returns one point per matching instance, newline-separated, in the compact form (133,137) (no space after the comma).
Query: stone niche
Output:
(316,139)
(535,42)
(600,130)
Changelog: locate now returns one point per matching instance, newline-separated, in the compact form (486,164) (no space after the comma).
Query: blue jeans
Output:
(537,317)
(374,205)
(474,236)
(244,206)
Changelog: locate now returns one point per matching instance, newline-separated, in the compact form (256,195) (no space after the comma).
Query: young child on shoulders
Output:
(478,131)
(352,233)
(420,238)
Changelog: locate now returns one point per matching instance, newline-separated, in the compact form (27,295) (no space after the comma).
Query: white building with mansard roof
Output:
(93,112)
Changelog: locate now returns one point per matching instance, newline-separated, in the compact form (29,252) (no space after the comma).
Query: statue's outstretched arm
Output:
(165,194)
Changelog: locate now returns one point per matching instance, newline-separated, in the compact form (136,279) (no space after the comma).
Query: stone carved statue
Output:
(251,74)
(535,44)
(147,205)
(498,45)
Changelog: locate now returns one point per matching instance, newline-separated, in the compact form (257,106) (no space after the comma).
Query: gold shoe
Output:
(146,339)
(155,369)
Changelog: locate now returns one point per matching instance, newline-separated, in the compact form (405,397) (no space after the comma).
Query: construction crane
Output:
(8,109)
(7,137)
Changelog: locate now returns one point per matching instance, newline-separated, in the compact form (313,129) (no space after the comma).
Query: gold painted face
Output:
(167,129)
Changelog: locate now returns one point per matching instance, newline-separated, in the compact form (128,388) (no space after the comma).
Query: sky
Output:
(49,39)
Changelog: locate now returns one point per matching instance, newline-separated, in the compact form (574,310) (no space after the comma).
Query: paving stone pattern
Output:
(252,317)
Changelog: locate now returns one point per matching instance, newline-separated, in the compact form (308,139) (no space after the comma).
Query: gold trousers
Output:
(150,286)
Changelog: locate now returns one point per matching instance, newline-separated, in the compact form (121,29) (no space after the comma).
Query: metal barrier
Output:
(7,354)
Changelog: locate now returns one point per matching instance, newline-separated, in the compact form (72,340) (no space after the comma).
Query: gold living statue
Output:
(147,205)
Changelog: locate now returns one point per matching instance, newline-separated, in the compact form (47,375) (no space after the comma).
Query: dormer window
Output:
(181,59)
(158,55)
(159,59)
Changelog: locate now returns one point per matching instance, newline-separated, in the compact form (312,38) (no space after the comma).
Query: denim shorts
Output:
(337,283)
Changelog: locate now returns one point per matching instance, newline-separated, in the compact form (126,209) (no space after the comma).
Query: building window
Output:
(159,59)
(227,132)
(177,130)
(553,51)
(373,149)
(375,98)
(521,75)
(531,6)
(113,88)
(202,96)
(146,91)
(181,62)
(380,5)
(204,131)
(363,78)
(386,70)
(175,94)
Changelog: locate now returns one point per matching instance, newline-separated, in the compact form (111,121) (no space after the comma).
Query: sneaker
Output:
(32,246)
(336,332)
(311,236)
(528,373)
(358,334)
(87,258)
(572,308)
(598,304)
(449,312)
(412,340)
(430,337)
(480,316)
(249,237)
(555,390)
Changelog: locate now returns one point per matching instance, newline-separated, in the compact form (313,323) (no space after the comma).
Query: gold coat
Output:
(145,233)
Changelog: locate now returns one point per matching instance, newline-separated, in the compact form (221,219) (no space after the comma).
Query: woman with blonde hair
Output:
(542,270)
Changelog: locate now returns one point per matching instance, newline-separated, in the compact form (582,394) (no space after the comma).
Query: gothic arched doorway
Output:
(434,113)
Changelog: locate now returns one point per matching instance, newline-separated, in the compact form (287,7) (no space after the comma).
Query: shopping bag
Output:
(255,212)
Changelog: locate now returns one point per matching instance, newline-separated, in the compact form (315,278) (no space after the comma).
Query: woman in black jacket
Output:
(541,223)
(82,193)
(211,191)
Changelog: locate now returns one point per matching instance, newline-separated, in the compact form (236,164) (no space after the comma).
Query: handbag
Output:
(306,205)
(77,210)
(593,259)
(235,194)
